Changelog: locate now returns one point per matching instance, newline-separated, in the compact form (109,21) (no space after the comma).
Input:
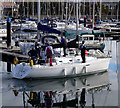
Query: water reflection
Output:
(118,69)
(60,92)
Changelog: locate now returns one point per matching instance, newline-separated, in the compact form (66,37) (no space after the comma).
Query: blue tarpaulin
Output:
(48,29)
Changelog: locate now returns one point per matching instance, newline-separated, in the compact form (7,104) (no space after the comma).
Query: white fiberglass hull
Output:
(3,32)
(62,70)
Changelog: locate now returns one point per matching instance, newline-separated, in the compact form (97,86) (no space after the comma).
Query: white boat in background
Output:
(71,26)
(3,32)
(3,23)
(15,25)
(60,25)
(25,26)
(70,66)
(110,27)
(29,26)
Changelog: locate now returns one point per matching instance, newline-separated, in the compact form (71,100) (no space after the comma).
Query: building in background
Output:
(7,8)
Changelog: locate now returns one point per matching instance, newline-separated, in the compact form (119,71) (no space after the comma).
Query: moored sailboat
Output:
(62,67)
(69,66)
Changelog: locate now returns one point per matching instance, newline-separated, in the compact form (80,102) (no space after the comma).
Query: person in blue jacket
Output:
(83,48)
(64,45)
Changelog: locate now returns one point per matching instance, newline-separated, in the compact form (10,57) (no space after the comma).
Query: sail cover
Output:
(48,29)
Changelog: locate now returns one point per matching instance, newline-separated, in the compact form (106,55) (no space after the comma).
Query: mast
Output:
(38,14)
(33,9)
(117,10)
(1,10)
(111,9)
(23,9)
(27,9)
(89,9)
(62,9)
(93,13)
(66,16)
(84,8)
(69,7)
(77,17)
(77,26)
(100,10)
(47,9)
(79,9)
(38,17)
(59,10)
(74,10)
(45,13)
(12,8)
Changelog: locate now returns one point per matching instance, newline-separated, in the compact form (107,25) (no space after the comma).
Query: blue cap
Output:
(8,19)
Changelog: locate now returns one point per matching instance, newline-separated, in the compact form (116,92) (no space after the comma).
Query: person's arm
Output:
(80,47)
(62,40)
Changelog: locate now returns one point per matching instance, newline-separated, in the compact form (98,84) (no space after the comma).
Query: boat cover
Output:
(48,29)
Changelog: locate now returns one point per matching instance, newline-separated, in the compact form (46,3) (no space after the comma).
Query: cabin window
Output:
(90,38)
(85,38)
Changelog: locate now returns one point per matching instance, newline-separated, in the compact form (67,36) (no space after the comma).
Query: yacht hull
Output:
(61,71)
